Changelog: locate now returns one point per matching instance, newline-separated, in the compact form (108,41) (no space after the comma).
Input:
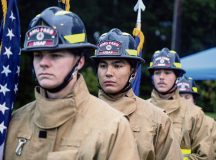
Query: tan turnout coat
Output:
(190,125)
(151,126)
(77,127)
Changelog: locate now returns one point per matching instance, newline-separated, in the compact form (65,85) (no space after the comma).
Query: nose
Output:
(109,71)
(162,74)
(44,61)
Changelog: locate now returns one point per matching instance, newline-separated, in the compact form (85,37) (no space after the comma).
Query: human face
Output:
(164,79)
(187,96)
(51,67)
(113,74)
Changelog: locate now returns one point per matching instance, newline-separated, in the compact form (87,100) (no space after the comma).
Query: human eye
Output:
(102,65)
(156,72)
(118,65)
(56,55)
(168,72)
(37,55)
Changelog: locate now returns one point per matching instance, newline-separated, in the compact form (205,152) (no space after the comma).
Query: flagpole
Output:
(139,38)
(139,7)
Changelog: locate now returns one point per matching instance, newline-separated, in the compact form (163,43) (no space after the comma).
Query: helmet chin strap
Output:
(125,88)
(67,79)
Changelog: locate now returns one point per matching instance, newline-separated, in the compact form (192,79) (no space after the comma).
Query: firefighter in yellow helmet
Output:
(188,89)
(189,121)
(116,62)
(65,122)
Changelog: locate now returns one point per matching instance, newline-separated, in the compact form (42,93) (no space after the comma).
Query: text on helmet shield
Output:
(162,61)
(41,36)
(109,48)
(46,30)
(183,86)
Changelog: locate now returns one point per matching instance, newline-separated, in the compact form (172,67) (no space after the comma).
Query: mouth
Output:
(109,83)
(161,84)
(44,74)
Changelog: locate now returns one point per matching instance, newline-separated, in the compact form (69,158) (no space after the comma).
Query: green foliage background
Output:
(198,32)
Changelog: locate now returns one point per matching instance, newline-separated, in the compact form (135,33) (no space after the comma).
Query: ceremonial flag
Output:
(9,64)
(139,38)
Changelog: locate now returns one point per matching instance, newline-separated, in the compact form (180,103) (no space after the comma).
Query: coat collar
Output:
(124,102)
(51,113)
(169,105)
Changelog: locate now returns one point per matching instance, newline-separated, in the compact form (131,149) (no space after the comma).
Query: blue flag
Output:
(139,38)
(9,64)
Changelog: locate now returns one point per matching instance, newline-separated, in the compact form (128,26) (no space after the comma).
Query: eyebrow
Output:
(114,62)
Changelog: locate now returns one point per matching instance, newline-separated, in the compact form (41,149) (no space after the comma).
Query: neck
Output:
(64,92)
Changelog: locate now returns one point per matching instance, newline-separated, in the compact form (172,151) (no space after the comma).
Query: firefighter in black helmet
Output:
(65,121)
(118,45)
(167,60)
(189,121)
(188,90)
(56,29)
(117,60)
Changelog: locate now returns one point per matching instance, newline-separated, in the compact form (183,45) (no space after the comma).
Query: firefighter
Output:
(188,89)
(189,121)
(116,62)
(65,122)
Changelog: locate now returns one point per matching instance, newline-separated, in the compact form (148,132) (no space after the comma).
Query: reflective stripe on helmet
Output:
(59,13)
(156,52)
(132,52)
(75,38)
(187,85)
(195,89)
(178,65)
(70,30)
(125,34)
(172,51)
(166,59)
(151,63)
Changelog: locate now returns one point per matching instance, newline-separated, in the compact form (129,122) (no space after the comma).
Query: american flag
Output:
(9,64)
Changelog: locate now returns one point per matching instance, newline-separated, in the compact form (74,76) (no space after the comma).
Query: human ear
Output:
(133,75)
(81,63)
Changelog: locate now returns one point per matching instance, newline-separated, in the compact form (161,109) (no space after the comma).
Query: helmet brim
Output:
(138,59)
(189,92)
(152,69)
(87,46)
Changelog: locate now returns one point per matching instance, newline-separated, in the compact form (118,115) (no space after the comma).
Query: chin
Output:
(48,86)
(110,91)
(162,90)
